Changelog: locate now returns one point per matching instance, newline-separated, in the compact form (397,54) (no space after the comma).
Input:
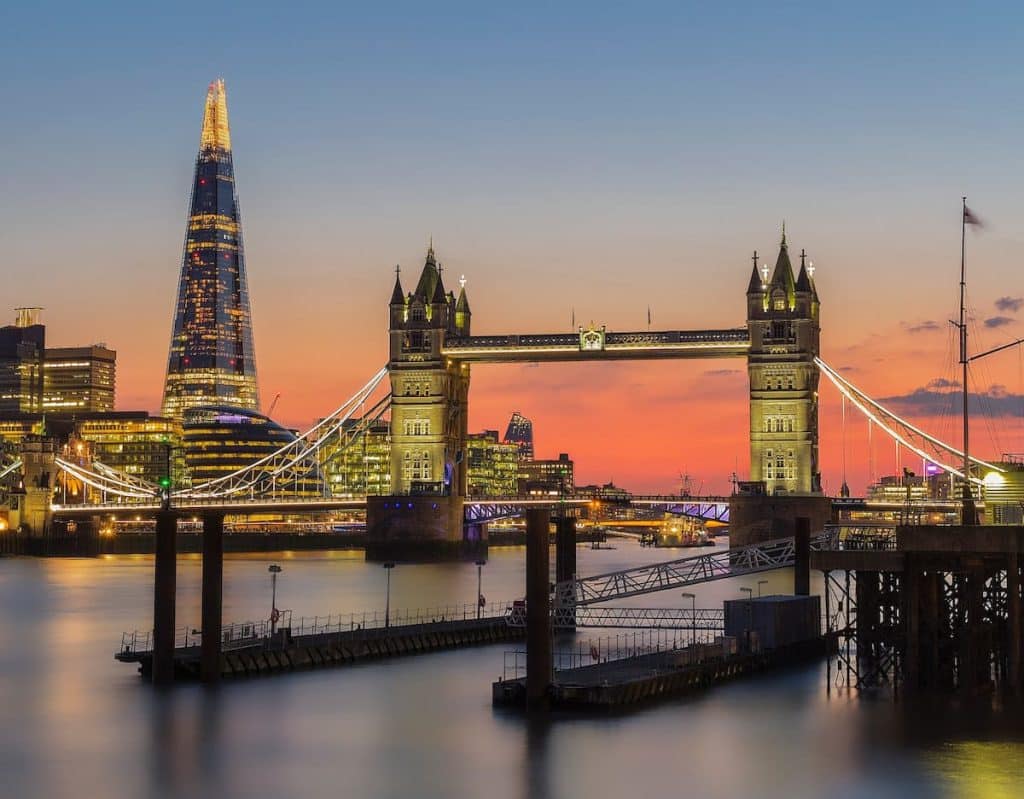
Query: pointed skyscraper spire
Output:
(212,360)
(216,133)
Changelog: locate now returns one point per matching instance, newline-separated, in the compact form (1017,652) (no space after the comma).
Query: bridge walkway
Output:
(691,570)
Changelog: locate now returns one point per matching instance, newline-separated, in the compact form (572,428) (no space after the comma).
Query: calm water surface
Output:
(74,723)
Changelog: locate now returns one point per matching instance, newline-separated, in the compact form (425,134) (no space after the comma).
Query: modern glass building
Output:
(22,346)
(492,468)
(212,361)
(220,440)
(79,379)
(358,464)
(520,433)
(134,443)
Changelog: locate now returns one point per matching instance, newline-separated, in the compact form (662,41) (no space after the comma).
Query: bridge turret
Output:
(756,289)
(398,301)
(463,315)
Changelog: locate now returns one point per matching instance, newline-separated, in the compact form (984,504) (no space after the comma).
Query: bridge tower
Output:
(783,318)
(423,517)
(39,469)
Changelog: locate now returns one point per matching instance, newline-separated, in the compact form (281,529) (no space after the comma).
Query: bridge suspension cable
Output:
(106,485)
(6,470)
(292,463)
(892,424)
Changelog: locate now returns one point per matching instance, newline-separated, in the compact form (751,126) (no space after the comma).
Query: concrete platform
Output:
(635,681)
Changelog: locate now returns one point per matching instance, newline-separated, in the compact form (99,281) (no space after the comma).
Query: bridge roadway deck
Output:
(561,347)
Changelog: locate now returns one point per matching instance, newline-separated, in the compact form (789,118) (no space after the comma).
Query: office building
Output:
(211,360)
(22,348)
(548,477)
(493,466)
(79,379)
(520,433)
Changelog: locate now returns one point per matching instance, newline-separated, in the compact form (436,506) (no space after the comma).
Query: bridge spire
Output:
(429,277)
(782,277)
(755,286)
(803,281)
(398,296)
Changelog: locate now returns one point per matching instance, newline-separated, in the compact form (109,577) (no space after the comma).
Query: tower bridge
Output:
(431,352)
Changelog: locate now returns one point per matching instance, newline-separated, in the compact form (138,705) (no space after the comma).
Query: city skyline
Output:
(617,203)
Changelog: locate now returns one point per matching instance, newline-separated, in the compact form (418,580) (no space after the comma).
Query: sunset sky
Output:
(602,159)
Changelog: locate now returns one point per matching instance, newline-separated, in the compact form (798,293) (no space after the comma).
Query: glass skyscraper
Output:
(212,361)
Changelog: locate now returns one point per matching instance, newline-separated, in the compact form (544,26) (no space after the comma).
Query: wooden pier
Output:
(262,655)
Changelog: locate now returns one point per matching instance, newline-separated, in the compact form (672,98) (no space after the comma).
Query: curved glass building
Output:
(220,440)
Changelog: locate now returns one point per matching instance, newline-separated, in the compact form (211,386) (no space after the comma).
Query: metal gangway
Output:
(718,565)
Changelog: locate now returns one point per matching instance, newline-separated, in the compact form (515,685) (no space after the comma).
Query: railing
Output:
(861,537)
(717,565)
(607,650)
(567,617)
(258,633)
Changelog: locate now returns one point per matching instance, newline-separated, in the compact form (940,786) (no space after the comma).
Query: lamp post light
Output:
(479,592)
(693,607)
(388,566)
(759,584)
(750,611)
(274,570)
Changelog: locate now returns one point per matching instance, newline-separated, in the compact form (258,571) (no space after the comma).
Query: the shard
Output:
(212,361)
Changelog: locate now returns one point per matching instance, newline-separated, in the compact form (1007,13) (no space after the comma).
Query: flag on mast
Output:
(970,218)
(648,315)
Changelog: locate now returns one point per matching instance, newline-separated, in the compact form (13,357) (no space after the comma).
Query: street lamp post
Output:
(693,606)
(479,592)
(759,584)
(387,596)
(274,570)
(750,611)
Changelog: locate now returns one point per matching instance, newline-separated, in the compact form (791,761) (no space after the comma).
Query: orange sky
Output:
(321,331)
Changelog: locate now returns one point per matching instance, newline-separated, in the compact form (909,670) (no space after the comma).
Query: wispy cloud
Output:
(1009,304)
(928,326)
(999,321)
(721,372)
(939,398)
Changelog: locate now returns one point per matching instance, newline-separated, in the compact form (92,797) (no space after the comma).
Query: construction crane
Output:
(273,404)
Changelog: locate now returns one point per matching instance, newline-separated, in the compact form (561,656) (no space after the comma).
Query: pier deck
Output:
(644,678)
(261,655)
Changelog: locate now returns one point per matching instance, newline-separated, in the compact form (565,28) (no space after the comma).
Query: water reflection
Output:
(75,723)
(537,783)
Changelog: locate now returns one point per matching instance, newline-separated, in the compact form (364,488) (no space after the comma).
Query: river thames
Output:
(75,723)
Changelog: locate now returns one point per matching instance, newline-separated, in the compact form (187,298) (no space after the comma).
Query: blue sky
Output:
(574,155)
